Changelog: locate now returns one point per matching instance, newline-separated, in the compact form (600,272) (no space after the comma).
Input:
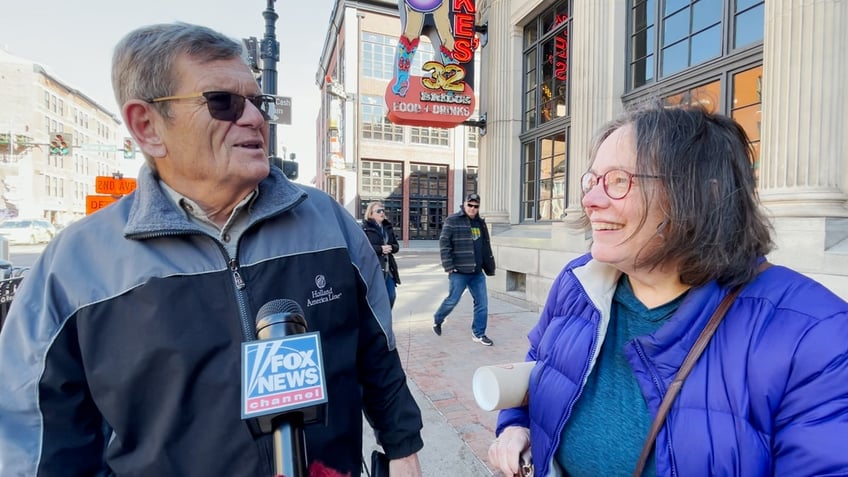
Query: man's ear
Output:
(144,124)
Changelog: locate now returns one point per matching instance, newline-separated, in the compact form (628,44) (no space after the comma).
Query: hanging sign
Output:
(441,94)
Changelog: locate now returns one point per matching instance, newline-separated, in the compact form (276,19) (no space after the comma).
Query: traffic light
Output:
(60,144)
(129,148)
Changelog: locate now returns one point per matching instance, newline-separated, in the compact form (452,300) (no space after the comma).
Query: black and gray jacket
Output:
(378,237)
(121,352)
(456,246)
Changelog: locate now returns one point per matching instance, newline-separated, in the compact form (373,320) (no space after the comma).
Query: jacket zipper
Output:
(583,375)
(246,328)
(641,353)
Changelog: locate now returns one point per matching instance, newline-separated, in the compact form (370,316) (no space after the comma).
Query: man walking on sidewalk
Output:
(466,254)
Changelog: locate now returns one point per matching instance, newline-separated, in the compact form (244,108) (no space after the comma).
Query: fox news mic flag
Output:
(282,374)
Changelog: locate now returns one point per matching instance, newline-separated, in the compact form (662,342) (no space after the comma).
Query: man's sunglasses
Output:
(473,206)
(226,106)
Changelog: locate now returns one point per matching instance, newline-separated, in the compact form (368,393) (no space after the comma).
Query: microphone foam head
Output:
(282,305)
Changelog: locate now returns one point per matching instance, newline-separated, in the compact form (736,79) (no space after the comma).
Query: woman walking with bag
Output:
(381,234)
(671,203)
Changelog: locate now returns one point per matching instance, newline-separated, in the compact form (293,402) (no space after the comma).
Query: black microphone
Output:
(278,319)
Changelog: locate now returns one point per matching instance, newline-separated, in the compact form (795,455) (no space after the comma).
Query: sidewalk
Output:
(456,432)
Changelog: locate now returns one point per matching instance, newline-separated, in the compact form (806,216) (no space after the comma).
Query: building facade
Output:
(421,174)
(555,71)
(552,72)
(37,178)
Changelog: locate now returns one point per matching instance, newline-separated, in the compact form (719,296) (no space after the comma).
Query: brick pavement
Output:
(441,367)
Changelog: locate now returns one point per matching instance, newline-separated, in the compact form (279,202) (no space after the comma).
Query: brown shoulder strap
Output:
(688,363)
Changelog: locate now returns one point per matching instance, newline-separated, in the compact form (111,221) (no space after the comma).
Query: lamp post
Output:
(270,55)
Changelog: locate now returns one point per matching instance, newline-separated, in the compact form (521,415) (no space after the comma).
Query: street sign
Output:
(99,147)
(283,110)
(93,203)
(114,186)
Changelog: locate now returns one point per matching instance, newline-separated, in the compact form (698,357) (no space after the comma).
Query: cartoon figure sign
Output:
(443,95)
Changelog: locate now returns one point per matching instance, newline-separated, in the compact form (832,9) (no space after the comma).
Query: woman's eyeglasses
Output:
(226,106)
(379,211)
(616,182)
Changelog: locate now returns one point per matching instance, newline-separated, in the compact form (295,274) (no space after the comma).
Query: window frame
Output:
(544,29)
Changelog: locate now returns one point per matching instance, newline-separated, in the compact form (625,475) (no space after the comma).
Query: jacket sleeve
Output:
(446,245)
(520,416)
(811,420)
(375,241)
(388,403)
(49,424)
(489,266)
(393,240)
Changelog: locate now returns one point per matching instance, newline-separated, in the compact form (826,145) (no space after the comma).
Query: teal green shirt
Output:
(610,420)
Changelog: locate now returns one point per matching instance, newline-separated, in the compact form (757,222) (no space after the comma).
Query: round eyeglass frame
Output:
(589,180)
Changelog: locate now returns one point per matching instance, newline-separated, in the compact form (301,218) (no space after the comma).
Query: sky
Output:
(74,41)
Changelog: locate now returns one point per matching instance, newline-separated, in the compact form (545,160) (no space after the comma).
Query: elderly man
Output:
(121,352)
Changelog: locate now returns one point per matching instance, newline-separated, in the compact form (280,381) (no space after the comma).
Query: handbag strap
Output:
(688,363)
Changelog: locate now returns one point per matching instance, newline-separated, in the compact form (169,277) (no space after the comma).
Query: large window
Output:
(428,204)
(379,179)
(746,107)
(383,181)
(374,123)
(379,55)
(667,37)
(543,170)
(546,118)
(546,66)
(428,135)
(715,44)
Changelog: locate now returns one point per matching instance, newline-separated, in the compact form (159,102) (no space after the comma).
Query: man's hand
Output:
(505,452)
(405,467)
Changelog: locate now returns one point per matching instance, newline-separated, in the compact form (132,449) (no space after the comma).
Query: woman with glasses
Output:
(381,234)
(670,201)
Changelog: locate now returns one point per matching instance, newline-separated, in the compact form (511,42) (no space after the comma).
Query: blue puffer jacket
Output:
(769,396)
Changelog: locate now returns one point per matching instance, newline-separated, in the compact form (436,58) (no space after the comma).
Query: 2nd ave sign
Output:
(114,186)
(112,189)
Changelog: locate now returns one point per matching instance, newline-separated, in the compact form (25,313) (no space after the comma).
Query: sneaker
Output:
(483,340)
(437,328)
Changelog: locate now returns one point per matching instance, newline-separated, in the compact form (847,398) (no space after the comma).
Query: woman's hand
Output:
(387,249)
(505,452)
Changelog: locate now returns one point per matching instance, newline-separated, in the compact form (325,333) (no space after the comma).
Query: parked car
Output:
(26,231)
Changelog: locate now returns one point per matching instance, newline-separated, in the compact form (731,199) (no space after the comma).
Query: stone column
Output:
(500,100)
(597,73)
(804,128)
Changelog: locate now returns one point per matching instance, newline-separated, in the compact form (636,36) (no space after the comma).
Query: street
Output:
(24,255)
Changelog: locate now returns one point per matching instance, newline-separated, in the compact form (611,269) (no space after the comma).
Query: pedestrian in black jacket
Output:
(466,253)
(381,234)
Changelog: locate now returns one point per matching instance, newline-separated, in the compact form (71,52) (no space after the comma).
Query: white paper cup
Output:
(502,386)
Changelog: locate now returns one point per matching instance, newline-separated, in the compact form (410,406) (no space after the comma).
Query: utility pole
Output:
(270,55)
